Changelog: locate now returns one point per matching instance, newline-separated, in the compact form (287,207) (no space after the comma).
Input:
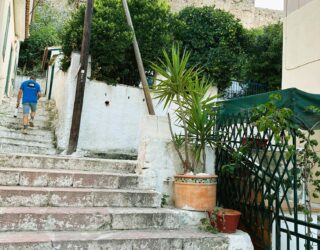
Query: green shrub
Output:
(215,39)
(112,52)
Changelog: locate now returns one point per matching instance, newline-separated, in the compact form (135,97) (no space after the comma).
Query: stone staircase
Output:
(39,140)
(61,202)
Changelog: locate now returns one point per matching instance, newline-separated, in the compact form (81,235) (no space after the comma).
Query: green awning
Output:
(292,98)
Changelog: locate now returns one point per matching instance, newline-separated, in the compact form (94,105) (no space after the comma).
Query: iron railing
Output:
(262,184)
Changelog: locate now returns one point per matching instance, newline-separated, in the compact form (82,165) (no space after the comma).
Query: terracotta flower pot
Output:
(195,192)
(227,220)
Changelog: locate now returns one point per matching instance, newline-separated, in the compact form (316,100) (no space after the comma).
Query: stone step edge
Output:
(87,210)
(86,219)
(65,236)
(72,189)
(67,157)
(17,142)
(25,139)
(26,177)
(65,171)
(37,132)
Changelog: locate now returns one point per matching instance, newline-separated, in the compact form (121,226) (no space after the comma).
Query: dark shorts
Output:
(27,106)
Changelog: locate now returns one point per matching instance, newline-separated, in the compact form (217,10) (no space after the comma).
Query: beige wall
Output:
(293,5)
(301,49)
(11,43)
(15,35)
(301,46)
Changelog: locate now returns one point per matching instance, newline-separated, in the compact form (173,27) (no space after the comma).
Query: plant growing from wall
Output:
(195,108)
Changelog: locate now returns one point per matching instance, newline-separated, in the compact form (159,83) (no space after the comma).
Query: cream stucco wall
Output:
(301,46)
(16,34)
(301,49)
(11,44)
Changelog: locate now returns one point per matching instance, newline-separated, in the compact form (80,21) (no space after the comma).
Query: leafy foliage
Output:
(209,224)
(44,31)
(278,120)
(164,200)
(215,39)
(189,91)
(112,53)
(263,59)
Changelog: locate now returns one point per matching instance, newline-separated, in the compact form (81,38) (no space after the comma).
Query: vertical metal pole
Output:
(81,81)
(51,81)
(139,60)
(295,188)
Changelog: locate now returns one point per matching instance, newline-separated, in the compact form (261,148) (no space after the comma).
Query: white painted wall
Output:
(301,46)
(63,92)
(115,128)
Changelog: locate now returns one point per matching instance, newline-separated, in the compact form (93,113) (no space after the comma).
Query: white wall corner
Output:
(157,160)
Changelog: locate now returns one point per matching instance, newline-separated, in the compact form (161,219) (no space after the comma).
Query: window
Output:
(6,34)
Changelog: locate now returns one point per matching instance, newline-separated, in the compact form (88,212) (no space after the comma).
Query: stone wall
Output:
(242,9)
(245,10)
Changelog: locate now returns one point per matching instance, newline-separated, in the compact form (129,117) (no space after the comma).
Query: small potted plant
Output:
(195,114)
(221,220)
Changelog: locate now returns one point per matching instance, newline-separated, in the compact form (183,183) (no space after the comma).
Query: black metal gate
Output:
(257,177)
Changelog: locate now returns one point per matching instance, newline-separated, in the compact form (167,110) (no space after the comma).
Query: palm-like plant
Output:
(183,86)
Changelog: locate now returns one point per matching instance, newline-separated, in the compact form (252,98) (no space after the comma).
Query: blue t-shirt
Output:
(30,90)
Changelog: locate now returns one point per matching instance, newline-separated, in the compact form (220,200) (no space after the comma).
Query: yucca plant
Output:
(183,86)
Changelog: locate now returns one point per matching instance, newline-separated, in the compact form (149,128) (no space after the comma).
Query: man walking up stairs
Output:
(30,92)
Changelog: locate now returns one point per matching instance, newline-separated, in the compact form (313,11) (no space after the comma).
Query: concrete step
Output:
(12,196)
(86,219)
(187,239)
(8,148)
(11,122)
(66,178)
(9,109)
(31,131)
(25,141)
(46,137)
(67,163)
(44,118)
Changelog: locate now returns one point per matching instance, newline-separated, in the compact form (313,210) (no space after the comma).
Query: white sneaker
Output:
(24,131)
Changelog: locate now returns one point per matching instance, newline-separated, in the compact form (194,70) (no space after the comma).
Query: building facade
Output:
(15,17)
(301,45)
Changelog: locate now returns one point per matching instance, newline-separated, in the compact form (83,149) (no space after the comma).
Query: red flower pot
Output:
(227,220)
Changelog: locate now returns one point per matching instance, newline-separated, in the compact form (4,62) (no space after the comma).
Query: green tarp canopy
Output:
(292,98)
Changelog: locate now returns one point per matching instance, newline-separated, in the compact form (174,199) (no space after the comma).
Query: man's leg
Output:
(26,110)
(33,113)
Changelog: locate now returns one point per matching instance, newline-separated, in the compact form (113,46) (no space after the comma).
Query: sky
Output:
(270,4)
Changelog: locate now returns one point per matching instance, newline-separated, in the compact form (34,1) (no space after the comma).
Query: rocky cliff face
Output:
(244,10)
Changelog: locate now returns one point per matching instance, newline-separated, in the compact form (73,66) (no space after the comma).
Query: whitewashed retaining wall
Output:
(63,92)
(113,128)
